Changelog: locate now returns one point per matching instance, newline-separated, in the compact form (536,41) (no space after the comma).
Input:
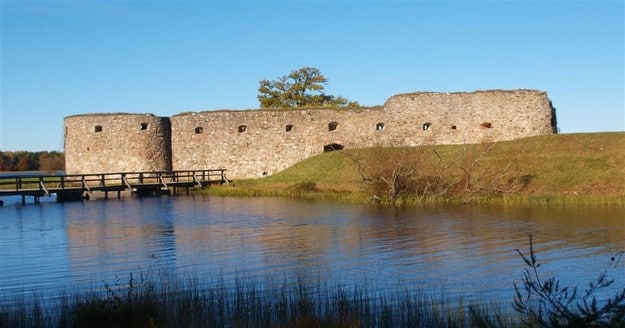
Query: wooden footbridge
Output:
(81,186)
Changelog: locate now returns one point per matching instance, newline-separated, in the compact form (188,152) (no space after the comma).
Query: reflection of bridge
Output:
(80,186)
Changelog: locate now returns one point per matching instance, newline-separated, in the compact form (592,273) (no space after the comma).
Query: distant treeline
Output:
(32,161)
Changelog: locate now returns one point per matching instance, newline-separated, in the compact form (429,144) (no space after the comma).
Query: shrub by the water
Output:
(545,303)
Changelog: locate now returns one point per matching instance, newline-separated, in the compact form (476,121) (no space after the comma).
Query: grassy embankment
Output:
(584,168)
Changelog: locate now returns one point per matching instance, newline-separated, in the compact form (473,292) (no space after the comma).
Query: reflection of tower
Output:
(114,238)
(159,234)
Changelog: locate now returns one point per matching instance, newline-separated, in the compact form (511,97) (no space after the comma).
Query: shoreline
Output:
(361,198)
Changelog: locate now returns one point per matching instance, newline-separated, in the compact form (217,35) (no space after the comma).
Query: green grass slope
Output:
(591,164)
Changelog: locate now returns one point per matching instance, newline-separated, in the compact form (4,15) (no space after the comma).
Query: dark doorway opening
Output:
(332,147)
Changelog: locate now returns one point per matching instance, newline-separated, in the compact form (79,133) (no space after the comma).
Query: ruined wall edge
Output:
(256,143)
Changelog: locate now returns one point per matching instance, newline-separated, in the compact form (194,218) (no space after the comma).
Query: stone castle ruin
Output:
(256,143)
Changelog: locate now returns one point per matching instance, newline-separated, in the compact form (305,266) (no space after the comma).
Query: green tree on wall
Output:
(301,88)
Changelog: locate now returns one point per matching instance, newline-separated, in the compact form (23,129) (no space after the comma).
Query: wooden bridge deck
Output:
(79,186)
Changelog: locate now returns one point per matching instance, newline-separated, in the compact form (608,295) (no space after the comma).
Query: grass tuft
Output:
(147,302)
(246,304)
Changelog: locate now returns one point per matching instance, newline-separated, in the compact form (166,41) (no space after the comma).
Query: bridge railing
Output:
(27,182)
(101,181)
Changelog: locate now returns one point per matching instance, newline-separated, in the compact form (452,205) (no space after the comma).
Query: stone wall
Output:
(481,116)
(104,143)
(262,142)
(255,143)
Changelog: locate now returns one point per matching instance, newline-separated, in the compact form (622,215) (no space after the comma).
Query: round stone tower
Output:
(106,143)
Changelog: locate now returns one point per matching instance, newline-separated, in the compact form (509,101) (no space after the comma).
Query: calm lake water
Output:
(52,247)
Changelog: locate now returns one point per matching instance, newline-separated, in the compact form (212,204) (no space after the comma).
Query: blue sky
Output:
(61,58)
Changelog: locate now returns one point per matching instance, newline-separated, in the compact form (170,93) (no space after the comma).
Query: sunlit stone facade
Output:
(255,143)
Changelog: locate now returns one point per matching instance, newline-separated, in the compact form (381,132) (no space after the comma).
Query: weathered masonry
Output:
(104,143)
(255,143)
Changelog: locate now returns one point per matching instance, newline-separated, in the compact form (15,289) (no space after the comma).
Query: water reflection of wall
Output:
(121,236)
(445,247)
(297,234)
(282,236)
(586,226)
(260,235)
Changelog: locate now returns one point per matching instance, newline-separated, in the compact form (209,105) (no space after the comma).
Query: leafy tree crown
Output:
(301,88)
